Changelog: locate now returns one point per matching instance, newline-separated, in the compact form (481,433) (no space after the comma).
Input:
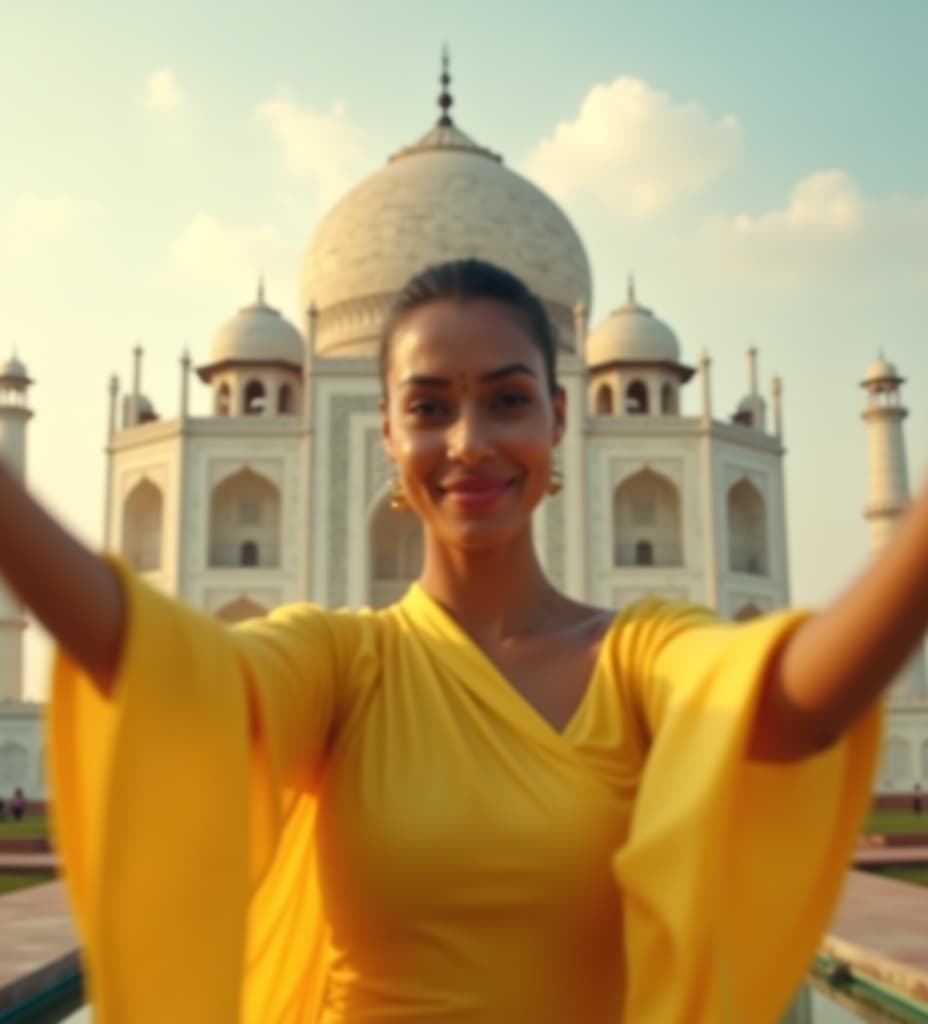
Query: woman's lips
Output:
(476,493)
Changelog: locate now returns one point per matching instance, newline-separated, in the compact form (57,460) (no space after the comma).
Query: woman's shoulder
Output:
(650,609)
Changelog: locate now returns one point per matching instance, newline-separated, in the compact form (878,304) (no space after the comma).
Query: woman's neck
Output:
(492,593)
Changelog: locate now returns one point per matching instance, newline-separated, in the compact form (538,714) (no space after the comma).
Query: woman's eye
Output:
(510,400)
(426,408)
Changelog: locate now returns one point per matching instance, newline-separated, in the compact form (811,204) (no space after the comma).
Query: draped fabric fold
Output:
(732,867)
(353,818)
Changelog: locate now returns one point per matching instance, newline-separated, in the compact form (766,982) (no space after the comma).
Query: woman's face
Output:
(469,420)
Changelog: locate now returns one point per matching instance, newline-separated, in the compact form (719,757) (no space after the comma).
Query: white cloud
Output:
(824,203)
(634,150)
(322,146)
(827,228)
(162,91)
(209,251)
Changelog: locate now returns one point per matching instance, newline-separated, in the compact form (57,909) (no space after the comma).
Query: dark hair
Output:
(464,281)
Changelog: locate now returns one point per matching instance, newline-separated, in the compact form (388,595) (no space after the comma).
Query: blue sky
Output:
(761,168)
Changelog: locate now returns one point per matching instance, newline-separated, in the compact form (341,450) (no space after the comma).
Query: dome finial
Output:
(445,100)
(261,301)
(631,290)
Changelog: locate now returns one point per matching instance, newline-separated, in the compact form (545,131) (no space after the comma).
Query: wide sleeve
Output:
(732,867)
(170,797)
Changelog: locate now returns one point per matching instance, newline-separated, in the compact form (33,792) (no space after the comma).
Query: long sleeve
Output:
(732,867)
(169,799)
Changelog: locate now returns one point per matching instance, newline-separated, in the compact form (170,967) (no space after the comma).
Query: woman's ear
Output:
(385,434)
(559,402)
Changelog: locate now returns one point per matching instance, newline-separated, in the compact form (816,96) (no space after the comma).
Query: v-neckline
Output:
(508,689)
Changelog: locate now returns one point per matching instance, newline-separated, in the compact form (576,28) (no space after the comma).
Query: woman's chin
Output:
(480,535)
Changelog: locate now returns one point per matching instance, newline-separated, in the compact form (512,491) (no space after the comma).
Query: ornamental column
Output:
(14,415)
(888,486)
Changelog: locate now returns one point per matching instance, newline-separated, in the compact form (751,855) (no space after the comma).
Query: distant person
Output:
(488,803)
(2,810)
(917,799)
(18,804)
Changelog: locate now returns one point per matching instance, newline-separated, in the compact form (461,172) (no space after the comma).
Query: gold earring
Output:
(398,495)
(556,481)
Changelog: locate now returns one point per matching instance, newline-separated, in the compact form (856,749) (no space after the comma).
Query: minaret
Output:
(888,487)
(14,415)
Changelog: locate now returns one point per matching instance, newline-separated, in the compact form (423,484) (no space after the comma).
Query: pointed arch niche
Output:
(646,523)
(636,398)
(605,406)
(223,402)
(240,609)
(747,529)
(254,398)
(395,553)
(670,403)
(142,519)
(244,522)
(285,402)
(14,766)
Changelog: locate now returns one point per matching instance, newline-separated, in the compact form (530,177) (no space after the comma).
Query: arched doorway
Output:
(244,522)
(141,527)
(646,521)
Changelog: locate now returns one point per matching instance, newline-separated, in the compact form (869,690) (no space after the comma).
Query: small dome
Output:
(632,334)
(751,402)
(13,369)
(257,334)
(882,371)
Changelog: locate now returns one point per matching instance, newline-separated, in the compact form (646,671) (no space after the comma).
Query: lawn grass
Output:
(10,882)
(889,822)
(915,875)
(29,827)
(879,822)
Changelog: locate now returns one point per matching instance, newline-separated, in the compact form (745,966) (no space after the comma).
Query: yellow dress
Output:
(352,818)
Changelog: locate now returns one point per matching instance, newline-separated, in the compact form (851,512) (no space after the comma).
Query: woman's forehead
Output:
(473,338)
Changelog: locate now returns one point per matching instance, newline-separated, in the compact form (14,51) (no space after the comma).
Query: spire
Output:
(445,100)
(261,301)
(632,301)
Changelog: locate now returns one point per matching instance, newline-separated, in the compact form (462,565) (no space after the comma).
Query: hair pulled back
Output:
(465,281)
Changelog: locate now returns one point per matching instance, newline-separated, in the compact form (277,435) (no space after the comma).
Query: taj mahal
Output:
(281,493)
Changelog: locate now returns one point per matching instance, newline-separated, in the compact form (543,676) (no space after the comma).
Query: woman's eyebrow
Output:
(509,368)
(420,380)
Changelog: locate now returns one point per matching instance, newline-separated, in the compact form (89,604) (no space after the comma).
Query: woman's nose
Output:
(468,439)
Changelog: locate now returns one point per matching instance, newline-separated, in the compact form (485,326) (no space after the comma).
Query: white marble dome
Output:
(632,334)
(881,371)
(257,334)
(442,198)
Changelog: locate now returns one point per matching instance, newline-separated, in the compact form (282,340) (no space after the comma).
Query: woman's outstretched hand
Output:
(72,591)
(840,660)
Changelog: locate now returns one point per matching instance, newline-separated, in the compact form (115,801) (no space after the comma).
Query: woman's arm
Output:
(840,660)
(71,590)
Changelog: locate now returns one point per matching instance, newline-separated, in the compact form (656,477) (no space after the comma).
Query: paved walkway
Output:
(890,856)
(28,862)
(37,942)
(881,930)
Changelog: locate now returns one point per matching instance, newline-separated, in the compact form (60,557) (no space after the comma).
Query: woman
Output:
(487,803)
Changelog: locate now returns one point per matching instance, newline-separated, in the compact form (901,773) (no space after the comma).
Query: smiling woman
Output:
(484,803)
